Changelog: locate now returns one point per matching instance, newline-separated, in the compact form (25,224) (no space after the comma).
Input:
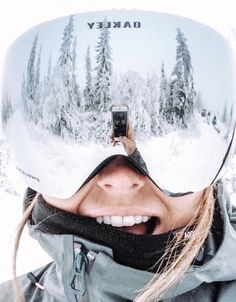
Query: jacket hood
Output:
(110,279)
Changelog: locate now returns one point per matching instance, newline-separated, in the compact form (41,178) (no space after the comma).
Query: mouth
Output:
(140,225)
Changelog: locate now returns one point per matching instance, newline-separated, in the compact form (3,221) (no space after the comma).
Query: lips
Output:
(140,225)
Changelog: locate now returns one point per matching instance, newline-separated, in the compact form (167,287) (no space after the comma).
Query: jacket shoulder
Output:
(215,291)
(30,292)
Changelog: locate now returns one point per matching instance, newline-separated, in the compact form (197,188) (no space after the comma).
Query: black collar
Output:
(137,251)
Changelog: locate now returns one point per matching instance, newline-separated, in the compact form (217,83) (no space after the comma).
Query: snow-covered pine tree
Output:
(37,72)
(49,70)
(66,76)
(30,84)
(183,66)
(203,113)
(36,110)
(7,109)
(65,58)
(208,117)
(165,106)
(125,90)
(214,120)
(74,78)
(133,91)
(182,86)
(104,70)
(165,103)
(179,98)
(45,91)
(167,112)
(24,96)
(65,73)
(163,85)
(114,88)
(47,83)
(59,91)
(151,103)
(51,108)
(88,90)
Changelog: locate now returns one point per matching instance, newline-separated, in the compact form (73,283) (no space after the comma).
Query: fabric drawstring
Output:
(34,280)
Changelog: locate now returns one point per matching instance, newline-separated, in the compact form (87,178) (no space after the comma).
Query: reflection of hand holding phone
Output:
(122,129)
(119,121)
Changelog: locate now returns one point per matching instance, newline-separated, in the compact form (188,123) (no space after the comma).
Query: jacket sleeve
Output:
(137,157)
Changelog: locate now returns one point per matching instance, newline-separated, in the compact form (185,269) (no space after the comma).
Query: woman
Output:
(156,227)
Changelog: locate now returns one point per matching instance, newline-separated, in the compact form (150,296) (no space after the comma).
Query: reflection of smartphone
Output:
(119,121)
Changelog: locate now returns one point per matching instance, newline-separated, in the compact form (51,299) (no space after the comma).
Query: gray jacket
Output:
(84,271)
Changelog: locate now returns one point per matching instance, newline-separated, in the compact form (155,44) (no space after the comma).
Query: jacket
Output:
(85,271)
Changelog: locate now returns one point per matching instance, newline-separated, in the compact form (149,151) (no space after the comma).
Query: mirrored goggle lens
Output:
(69,82)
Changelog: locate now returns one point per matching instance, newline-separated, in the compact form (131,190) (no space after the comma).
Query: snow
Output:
(67,163)
(181,159)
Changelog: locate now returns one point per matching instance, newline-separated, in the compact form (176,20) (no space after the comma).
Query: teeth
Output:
(107,219)
(99,219)
(128,220)
(138,219)
(117,221)
(145,218)
(120,221)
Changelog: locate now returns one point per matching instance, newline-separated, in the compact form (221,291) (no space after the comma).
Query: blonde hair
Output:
(31,201)
(178,262)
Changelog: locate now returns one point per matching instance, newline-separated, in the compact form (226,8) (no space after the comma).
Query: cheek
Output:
(63,204)
(186,207)
(70,204)
(183,209)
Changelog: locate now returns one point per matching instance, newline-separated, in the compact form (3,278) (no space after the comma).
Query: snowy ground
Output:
(73,161)
(30,254)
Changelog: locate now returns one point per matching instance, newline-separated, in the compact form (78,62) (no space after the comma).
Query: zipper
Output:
(83,260)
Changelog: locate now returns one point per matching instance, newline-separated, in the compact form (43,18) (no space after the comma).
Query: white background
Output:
(16,17)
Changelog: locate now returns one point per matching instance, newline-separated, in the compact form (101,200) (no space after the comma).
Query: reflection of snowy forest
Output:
(157,104)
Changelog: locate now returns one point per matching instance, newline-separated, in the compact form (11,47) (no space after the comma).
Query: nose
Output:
(120,176)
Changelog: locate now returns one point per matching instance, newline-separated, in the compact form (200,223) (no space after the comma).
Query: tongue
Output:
(139,229)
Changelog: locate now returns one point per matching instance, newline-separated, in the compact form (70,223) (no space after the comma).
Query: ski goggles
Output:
(70,82)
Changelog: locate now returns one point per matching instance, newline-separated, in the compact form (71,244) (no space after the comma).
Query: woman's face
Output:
(123,197)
